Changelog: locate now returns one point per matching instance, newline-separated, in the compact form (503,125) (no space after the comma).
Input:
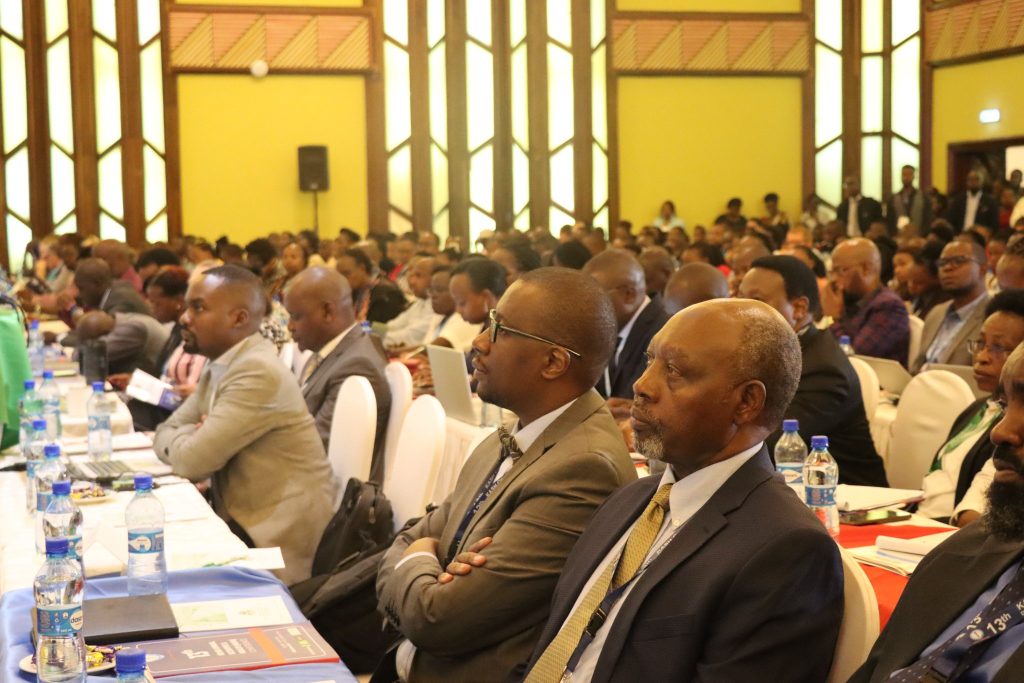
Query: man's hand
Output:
(184,390)
(466,561)
(202,421)
(422,545)
(619,407)
(119,380)
(832,300)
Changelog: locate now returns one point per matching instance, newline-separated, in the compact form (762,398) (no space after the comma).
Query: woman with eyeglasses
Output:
(954,488)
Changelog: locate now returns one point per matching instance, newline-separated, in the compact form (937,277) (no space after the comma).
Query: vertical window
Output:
(828,100)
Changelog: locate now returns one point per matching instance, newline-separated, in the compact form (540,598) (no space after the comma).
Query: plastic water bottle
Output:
(366,326)
(49,392)
(846,346)
(821,475)
(790,454)
(35,348)
(47,472)
(30,408)
(130,665)
(144,517)
(99,409)
(63,519)
(58,587)
(34,458)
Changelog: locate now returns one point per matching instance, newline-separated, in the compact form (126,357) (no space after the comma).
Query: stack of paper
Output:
(872,497)
(900,563)
(920,546)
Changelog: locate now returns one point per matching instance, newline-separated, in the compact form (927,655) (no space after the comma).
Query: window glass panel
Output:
(62,183)
(906,19)
(600,188)
(478,222)
(435,21)
(478,20)
(828,173)
(599,100)
(438,178)
(108,95)
(12,22)
(111,229)
(441,228)
(871,26)
(560,21)
(871,166)
(151,75)
(18,237)
(149,19)
(56,12)
(560,96)
(522,220)
(397,118)
(104,18)
(906,90)
(871,94)
(400,180)
(68,226)
(16,174)
(516,21)
(480,104)
(111,190)
(58,86)
(396,20)
(597,22)
(828,95)
(397,223)
(601,220)
(157,230)
(438,95)
(520,98)
(902,154)
(563,187)
(520,179)
(828,22)
(13,92)
(481,178)
(557,219)
(155,183)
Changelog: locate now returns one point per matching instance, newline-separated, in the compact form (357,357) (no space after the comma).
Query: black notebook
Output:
(108,621)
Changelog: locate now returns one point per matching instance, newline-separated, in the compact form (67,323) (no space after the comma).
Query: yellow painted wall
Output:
(701,140)
(239,167)
(710,5)
(960,92)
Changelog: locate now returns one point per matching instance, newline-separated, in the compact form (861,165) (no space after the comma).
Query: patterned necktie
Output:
(509,445)
(553,660)
(309,368)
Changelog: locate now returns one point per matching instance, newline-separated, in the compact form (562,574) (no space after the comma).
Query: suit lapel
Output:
(977,315)
(319,377)
(630,347)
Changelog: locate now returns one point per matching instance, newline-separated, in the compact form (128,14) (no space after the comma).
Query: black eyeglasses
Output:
(495,326)
(955,261)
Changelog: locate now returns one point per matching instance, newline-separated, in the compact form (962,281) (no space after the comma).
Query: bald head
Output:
(619,273)
(94,325)
(692,284)
(748,250)
(319,305)
(658,267)
(92,278)
(117,255)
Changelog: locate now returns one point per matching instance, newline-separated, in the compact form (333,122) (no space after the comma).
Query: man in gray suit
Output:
(134,340)
(247,427)
(323,320)
(949,326)
(525,493)
(97,289)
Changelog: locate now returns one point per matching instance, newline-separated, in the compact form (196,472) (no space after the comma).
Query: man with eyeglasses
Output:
(950,325)
(469,585)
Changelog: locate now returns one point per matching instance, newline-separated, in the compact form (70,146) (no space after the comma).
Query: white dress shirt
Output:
(318,356)
(455,329)
(409,327)
(976,497)
(971,210)
(687,497)
(852,222)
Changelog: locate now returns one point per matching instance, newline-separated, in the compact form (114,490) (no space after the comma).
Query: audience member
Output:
(448,328)
(262,257)
(133,340)
(902,264)
(923,284)
(410,326)
(658,267)
(516,258)
(203,256)
(594,241)
(401,252)
(730,553)
(676,241)
(1007,203)
(523,496)
(667,218)
(376,299)
(97,289)
(972,206)
(748,250)
(1010,268)
(908,205)
(119,257)
(994,250)
(428,243)
(571,254)
(246,425)
(153,260)
(774,220)
(798,236)
(692,284)
(294,260)
(733,218)
(828,400)
(476,285)
(872,316)
(814,215)
(856,211)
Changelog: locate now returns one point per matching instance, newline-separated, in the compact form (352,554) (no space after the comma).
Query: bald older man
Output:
(714,571)
(134,341)
(247,427)
(692,284)
(870,314)
(658,266)
(619,274)
(119,257)
(323,320)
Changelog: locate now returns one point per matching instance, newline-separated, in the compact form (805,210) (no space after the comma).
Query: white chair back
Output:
(287,354)
(400,383)
(410,482)
(869,387)
(860,625)
(927,408)
(353,426)
(916,333)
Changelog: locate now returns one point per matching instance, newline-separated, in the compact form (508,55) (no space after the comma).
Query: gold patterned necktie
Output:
(551,665)
(309,368)
(509,445)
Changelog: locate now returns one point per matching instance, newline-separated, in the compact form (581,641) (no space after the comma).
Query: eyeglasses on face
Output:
(496,326)
(974,346)
(954,261)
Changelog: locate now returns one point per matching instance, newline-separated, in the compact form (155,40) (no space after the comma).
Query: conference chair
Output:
(860,625)
(869,387)
(409,482)
(927,408)
(399,381)
(353,425)
(916,332)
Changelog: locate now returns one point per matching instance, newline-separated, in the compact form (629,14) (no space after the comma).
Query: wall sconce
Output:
(989,116)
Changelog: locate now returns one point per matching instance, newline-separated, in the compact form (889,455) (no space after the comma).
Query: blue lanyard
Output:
(481,495)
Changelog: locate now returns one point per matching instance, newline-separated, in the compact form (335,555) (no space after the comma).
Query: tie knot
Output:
(661,496)
(509,446)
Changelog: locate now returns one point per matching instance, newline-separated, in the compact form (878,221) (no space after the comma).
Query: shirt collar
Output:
(965,311)
(525,436)
(689,494)
(103,299)
(327,348)
(628,327)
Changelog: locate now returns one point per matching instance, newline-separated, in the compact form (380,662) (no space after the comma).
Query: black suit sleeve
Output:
(385,304)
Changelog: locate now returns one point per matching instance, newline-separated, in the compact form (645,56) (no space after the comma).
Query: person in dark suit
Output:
(828,399)
(736,580)
(376,298)
(322,320)
(909,205)
(95,289)
(619,273)
(856,211)
(973,206)
(960,615)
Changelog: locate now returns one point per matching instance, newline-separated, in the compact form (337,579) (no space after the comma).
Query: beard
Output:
(1005,516)
(850,300)
(652,444)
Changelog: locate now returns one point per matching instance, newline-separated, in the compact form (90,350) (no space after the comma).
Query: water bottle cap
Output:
(97,386)
(844,339)
(143,482)
(819,442)
(38,424)
(34,325)
(62,487)
(130,660)
(30,384)
(47,374)
(51,450)
(790,425)
(57,546)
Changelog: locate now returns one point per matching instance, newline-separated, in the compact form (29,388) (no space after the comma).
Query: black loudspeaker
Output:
(313,168)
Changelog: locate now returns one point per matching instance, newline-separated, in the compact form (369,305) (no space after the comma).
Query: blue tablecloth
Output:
(216,583)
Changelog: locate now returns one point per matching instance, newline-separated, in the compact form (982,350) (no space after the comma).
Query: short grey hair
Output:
(769,352)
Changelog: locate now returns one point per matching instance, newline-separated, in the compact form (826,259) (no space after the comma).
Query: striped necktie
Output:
(309,368)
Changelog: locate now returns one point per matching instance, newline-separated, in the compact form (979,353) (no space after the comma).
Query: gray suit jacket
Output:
(259,443)
(136,342)
(956,352)
(355,354)
(122,298)
(479,627)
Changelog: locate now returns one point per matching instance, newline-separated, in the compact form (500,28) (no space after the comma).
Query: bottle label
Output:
(58,620)
(99,422)
(792,473)
(146,542)
(43,500)
(30,468)
(820,496)
(75,547)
